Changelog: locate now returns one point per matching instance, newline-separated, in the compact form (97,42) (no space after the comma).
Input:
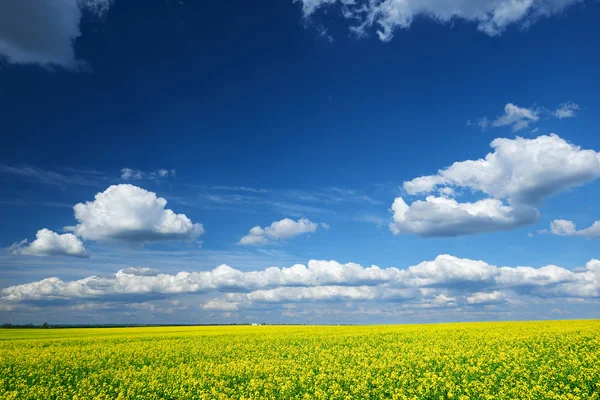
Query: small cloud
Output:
(518,117)
(566,110)
(279,230)
(563,227)
(482,123)
(48,243)
(129,174)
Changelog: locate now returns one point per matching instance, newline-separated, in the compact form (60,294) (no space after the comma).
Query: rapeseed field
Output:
(520,360)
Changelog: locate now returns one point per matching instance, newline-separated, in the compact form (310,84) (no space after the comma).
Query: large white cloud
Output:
(48,243)
(44,31)
(521,170)
(490,16)
(440,216)
(445,280)
(131,214)
(279,230)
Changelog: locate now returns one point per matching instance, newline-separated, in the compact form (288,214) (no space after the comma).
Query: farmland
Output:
(510,360)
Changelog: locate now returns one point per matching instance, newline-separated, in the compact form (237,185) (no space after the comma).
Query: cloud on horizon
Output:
(447,282)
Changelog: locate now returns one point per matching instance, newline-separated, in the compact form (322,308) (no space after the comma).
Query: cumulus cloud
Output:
(446,281)
(44,32)
(441,216)
(517,117)
(566,110)
(520,171)
(562,227)
(48,243)
(303,294)
(279,230)
(490,16)
(131,214)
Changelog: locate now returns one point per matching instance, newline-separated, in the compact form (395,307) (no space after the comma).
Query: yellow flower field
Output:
(529,360)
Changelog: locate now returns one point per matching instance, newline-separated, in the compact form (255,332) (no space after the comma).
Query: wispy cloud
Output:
(48,177)
(566,110)
(291,202)
(492,17)
(519,118)
(332,195)
(129,174)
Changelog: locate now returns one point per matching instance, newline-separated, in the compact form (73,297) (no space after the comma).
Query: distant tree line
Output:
(45,325)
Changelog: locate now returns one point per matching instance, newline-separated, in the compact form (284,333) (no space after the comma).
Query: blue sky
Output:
(308,120)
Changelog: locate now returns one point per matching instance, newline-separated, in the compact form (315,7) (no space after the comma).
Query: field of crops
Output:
(537,360)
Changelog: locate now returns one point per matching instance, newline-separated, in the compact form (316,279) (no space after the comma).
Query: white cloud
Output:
(162,173)
(486,298)
(440,216)
(562,227)
(445,281)
(302,294)
(447,192)
(490,16)
(220,305)
(129,174)
(522,170)
(566,110)
(131,214)
(279,230)
(44,32)
(483,123)
(519,118)
(48,243)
